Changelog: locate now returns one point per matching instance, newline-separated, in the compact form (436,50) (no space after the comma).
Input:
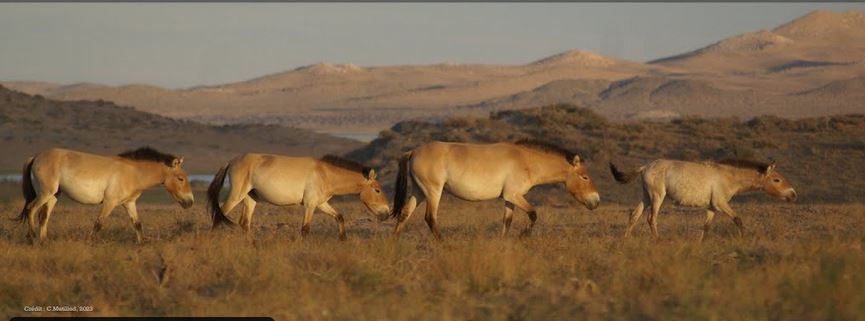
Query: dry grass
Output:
(798,262)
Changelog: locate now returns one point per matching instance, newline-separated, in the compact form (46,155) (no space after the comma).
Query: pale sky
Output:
(188,44)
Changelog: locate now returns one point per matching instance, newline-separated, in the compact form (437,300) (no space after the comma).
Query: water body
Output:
(362,137)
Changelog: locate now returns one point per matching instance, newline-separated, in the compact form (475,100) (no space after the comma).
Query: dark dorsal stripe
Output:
(745,164)
(149,154)
(547,147)
(345,163)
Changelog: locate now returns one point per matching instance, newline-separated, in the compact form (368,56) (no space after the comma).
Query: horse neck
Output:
(545,168)
(341,181)
(148,174)
(744,180)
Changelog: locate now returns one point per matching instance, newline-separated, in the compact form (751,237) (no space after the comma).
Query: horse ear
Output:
(177,162)
(770,168)
(576,160)
(371,174)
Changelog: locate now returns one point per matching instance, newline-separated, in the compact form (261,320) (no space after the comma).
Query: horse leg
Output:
(340,220)
(246,218)
(407,211)
(708,224)
(46,183)
(507,218)
(133,216)
(46,214)
(635,216)
(724,207)
(107,207)
(235,196)
(524,205)
(34,211)
(432,207)
(638,211)
(657,200)
(309,210)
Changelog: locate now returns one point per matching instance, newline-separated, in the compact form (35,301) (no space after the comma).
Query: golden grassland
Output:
(796,262)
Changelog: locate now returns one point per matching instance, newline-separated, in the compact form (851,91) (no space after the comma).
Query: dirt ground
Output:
(796,261)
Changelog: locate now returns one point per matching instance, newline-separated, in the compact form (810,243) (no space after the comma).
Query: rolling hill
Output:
(29,124)
(775,72)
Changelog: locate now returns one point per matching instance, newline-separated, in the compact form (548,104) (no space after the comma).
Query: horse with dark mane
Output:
(94,179)
(708,184)
(477,172)
(283,180)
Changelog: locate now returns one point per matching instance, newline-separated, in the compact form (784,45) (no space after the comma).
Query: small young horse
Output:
(94,179)
(707,184)
(283,180)
(477,172)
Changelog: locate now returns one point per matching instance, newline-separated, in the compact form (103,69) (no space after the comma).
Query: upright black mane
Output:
(345,163)
(745,164)
(547,147)
(149,154)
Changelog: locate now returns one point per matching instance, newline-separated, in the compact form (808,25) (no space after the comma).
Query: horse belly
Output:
(279,194)
(693,195)
(84,191)
(474,189)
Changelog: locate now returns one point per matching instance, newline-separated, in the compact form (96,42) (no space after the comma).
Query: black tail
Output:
(27,189)
(623,177)
(213,190)
(402,187)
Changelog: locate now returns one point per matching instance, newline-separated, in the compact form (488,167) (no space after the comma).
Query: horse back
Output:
(458,159)
(65,161)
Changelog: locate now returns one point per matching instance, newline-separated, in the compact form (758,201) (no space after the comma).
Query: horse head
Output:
(373,198)
(177,184)
(580,185)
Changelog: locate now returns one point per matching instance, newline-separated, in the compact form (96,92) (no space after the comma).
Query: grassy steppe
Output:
(796,262)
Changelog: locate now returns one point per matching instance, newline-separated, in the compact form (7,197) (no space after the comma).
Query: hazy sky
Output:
(181,45)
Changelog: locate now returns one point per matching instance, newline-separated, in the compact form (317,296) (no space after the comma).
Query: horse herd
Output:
(472,172)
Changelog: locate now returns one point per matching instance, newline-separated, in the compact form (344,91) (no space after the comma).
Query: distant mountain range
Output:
(811,66)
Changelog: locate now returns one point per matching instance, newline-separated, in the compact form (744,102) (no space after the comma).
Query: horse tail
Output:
(27,189)
(627,176)
(402,186)
(213,190)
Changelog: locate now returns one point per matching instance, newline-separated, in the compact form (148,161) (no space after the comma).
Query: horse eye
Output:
(377,191)
(584,177)
(777,180)
(180,179)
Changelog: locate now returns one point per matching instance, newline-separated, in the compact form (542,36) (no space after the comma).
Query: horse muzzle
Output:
(186,202)
(791,196)
(382,217)
(382,213)
(592,201)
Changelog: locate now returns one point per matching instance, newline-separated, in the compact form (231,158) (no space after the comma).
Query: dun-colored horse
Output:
(707,184)
(476,172)
(94,179)
(282,180)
